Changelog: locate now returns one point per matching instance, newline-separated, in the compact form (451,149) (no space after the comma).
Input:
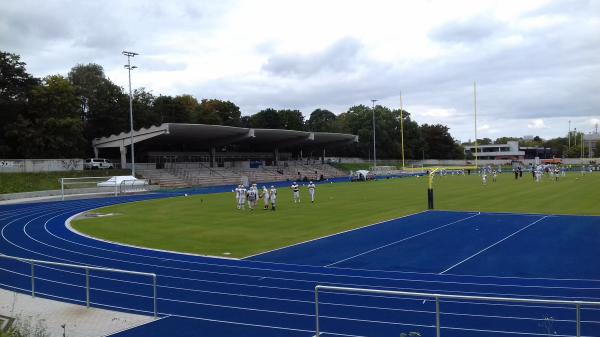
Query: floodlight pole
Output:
(475,114)
(569,135)
(402,129)
(128,66)
(374,148)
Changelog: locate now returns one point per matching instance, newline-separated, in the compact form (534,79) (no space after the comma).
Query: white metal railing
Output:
(133,185)
(83,181)
(87,276)
(437,297)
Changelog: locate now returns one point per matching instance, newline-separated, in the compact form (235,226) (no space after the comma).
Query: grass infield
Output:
(211,224)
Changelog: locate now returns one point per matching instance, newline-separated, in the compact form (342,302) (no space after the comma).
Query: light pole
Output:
(374,149)
(129,68)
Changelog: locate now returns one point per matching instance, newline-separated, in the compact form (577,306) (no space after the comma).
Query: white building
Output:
(510,150)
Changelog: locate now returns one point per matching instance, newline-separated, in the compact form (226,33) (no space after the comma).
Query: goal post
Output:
(430,188)
(109,185)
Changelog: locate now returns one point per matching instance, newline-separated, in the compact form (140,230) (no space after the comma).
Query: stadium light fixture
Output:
(129,68)
(374,148)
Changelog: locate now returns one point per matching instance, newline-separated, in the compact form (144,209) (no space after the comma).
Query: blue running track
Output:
(272,294)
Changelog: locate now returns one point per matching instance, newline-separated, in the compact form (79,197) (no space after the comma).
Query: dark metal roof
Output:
(217,135)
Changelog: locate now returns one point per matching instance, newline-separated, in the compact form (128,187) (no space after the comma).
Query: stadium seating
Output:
(186,174)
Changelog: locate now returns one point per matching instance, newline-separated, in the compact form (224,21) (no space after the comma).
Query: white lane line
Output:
(492,245)
(249,257)
(401,240)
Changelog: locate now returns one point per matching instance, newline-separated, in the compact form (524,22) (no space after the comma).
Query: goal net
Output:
(101,185)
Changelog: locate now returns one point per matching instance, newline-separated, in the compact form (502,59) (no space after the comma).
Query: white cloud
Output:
(537,124)
(532,59)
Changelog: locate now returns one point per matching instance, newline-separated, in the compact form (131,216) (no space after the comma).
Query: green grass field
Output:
(27,182)
(211,225)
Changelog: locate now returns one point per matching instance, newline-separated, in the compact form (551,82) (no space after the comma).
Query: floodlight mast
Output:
(374,148)
(129,67)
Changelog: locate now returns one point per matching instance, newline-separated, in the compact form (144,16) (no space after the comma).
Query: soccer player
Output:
(252,196)
(295,192)
(237,196)
(494,175)
(484,178)
(242,199)
(265,197)
(311,191)
(273,197)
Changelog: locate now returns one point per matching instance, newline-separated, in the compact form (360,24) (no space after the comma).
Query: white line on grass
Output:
(494,244)
(401,240)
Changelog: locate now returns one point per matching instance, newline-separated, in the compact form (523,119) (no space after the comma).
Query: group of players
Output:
(251,195)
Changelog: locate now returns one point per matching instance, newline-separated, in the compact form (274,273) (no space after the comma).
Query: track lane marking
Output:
(401,240)
(492,245)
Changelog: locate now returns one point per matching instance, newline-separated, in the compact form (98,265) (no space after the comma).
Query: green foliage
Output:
(321,120)
(278,119)
(26,327)
(27,182)
(439,144)
(217,112)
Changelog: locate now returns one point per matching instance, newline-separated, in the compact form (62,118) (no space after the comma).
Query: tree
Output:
(144,115)
(104,107)
(171,110)
(214,111)
(291,119)
(266,119)
(439,144)
(52,127)
(484,141)
(504,140)
(321,120)
(15,90)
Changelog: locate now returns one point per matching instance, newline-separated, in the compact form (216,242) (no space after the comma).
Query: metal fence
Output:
(576,304)
(87,269)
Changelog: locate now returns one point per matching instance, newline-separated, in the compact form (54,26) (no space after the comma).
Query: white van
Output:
(97,163)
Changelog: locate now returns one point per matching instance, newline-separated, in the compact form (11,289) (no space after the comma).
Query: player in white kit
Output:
(295,192)
(265,197)
(237,196)
(273,197)
(242,199)
(311,191)
(252,196)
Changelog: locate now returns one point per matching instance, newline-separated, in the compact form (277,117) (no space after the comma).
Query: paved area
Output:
(79,321)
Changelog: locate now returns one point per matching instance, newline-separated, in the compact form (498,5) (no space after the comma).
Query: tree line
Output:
(59,115)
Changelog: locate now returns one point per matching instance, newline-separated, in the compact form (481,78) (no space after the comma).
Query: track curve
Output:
(275,298)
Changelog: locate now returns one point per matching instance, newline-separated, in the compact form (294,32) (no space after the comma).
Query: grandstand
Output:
(183,155)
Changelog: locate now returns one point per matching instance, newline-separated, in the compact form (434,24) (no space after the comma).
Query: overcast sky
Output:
(536,63)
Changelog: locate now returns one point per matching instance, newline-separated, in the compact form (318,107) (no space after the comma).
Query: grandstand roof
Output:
(218,135)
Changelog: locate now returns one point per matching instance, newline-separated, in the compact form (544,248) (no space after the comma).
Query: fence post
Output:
(87,287)
(32,279)
(578,318)
(62,189)
(317,333)
(437,316)
(154,287)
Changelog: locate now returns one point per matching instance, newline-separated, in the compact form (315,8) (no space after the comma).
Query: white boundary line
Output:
(69,227)
(401,240)
(331,235)
(494,244)
(136,326)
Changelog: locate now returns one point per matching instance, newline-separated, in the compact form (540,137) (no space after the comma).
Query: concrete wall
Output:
(40,165)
